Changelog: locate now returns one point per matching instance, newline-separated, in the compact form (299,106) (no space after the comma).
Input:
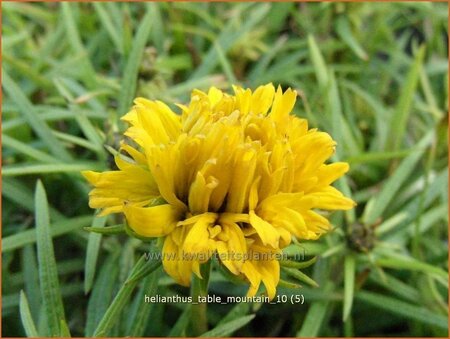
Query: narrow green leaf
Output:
(315,317)
(89,74)
(113,312)
(278,15)
(430,218)
(144,270)
(236,312)
(33,12)
(92,251)
(409,263)
(227,69)
(102,293)
(65,332)
(72,140)
(9,41)
(88,128)
(14,170)
(141,311)
(48,273)
(17,192)
(344,31)
(298,265)
(335,114)
(116,229)
(49,113)
(397,286)
(333,251)
(391,223)
(394,182)
(429,96)
(349,285)
(366,158)
(69,290)
(228,328)
(59,228)
(42,326)
(228,36)
(27,319)
(20,194)
(28,70)
(28,111)
(403,309)
(158,33)
(264,61)
(380,113)
(111,28)
(65,267)
(288,284)
(399,121)
(25,149)
(318,62)
(179,329)
(130,73)
(299,275)
(31,279)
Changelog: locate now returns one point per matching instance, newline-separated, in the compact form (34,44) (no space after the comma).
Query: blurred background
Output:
(373,75)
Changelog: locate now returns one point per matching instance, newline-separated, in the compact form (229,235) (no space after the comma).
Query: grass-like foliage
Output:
(373,75)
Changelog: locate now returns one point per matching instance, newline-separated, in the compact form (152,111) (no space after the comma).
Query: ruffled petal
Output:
(154,221)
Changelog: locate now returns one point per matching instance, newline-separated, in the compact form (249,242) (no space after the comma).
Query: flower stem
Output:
(199,289)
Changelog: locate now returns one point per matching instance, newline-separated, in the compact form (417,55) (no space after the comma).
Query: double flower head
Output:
(235,176)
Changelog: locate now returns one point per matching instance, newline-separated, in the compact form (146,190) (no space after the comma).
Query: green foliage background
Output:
(373,75)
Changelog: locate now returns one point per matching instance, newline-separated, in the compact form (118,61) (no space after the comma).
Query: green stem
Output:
(199,288)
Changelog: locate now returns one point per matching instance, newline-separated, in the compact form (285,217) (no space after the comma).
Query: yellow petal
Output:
(253,197)
(137,156)
(252,274)
(214,95)
(267,233)
(329,198)
(232,250)
(155,221)
(253,289)
(243,99)
(224,256)
(283,104)
(113,188)
(238,193)
(164,163)
(262,99)
(270,272)
(170,258)
(130,117)
(198,240)
(173,263)
(327,174)
(200,193)
(157,117)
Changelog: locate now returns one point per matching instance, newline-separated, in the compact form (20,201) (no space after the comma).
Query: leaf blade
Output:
(113,312)
(349,285)
(228,328)
(25,316)
(402,308)
(132,66)
(29,113)
(48,273)
(92,251)
(399,119)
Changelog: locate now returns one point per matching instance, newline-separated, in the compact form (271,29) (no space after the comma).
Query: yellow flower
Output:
(239,177)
